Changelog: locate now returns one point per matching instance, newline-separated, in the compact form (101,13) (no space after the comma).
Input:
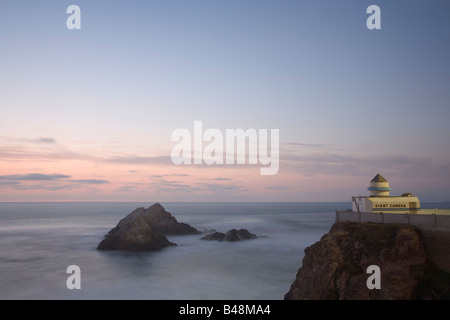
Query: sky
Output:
(88,114)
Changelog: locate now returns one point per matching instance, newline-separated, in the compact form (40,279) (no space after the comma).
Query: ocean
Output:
(40,240)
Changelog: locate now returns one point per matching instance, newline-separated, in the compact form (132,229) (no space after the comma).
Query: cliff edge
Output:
(336,266)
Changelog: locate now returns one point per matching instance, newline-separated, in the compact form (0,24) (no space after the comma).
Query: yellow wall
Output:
(393,204)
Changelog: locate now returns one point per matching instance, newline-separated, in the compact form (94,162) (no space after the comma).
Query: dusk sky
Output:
(87,115)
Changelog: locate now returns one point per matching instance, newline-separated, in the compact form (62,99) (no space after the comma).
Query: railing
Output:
(432,221)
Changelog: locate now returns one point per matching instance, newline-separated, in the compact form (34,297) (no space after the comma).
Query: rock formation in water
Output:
(230,235)
(336,266)
(145,229)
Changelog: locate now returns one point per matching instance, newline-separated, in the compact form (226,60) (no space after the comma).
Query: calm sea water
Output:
(39,241)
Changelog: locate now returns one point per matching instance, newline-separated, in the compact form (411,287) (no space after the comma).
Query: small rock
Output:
(219,236)
(230,235)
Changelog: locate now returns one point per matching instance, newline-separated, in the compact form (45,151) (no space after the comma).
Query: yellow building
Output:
(379,199)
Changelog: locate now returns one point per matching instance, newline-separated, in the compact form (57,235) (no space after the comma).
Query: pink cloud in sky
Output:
(42,169)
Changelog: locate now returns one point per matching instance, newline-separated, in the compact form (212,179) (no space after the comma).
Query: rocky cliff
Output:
(336,266)
(145,229)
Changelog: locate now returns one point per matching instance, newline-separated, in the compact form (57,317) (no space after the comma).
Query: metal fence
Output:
(422,221)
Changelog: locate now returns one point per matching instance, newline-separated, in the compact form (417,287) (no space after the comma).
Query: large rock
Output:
(335,267)
(145,229)
(231,235)
(437,247)
(164,222)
